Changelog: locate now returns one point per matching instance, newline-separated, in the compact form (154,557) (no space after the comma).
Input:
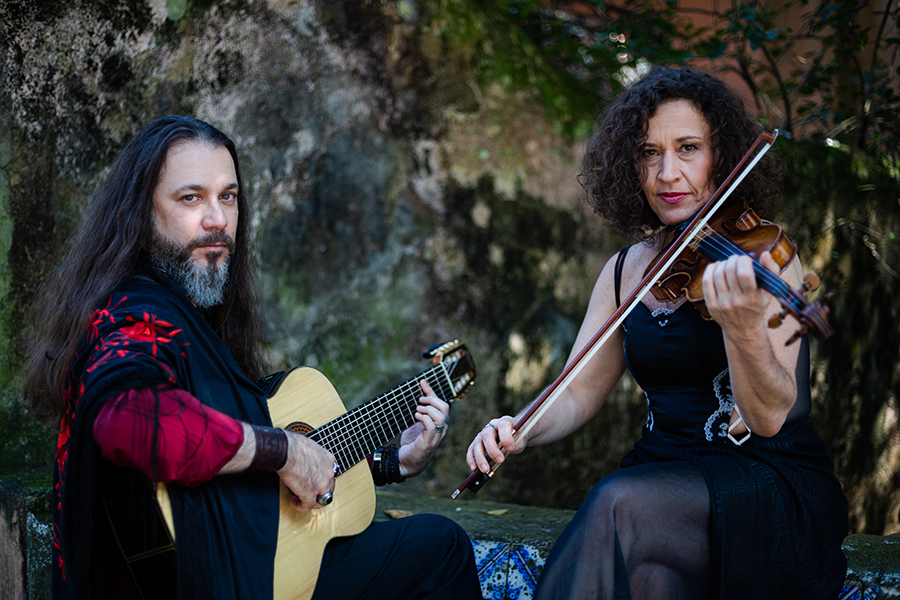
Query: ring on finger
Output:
(491,425)
(440,428)
(325,499)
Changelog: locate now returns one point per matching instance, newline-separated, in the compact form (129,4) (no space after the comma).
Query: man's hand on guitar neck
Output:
(419,442)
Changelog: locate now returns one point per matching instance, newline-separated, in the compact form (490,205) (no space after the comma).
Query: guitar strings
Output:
(357,433)
(373,419)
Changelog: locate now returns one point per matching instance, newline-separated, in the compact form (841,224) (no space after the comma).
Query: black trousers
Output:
(423,556)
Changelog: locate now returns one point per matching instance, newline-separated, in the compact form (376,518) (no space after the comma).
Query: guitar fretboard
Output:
(359,432)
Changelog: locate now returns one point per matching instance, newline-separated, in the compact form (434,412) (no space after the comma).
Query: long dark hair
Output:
(611,171)
(112,244)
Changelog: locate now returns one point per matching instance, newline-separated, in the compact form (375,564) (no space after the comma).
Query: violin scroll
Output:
(813,317)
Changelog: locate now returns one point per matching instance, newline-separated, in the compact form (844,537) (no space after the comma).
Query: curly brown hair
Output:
(611,171)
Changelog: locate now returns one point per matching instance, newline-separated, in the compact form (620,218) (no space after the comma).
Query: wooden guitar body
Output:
(307,396)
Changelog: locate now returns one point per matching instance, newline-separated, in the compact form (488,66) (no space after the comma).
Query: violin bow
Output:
(476,479)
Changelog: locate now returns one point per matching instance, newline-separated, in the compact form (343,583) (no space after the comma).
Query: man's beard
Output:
(204,286)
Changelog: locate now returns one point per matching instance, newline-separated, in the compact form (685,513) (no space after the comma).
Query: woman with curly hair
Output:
(729,491)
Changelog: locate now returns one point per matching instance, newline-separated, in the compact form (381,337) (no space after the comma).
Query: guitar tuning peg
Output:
(776,321)
(811,282)
(439,349)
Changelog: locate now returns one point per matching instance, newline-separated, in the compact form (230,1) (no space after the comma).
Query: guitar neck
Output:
(357,433)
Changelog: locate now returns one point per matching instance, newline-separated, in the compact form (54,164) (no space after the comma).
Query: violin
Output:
(737,230)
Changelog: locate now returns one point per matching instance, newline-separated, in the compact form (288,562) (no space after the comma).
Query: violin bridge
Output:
(698,238)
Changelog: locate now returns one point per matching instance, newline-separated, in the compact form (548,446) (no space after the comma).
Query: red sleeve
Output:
(193,441)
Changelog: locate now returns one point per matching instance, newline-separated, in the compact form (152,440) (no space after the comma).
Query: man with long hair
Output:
(147,354)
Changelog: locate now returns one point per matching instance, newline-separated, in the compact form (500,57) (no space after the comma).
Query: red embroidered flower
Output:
(150,329)
(100,315)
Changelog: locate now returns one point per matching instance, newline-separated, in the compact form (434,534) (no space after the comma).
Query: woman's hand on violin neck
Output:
(733,297)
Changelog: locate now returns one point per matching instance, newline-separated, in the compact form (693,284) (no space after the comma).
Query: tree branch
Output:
(788,124)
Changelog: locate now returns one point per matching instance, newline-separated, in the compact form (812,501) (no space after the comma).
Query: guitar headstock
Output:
(457,363)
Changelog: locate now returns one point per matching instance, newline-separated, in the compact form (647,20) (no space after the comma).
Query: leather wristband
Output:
(386,465)
(271,448)
(391,462)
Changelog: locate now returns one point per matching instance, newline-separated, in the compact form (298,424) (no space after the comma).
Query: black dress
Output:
(691,513)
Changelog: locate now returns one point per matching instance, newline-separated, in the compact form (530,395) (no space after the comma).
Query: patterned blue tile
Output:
(507,572)
(871,593)
(853,592)
(525,565)
(850,593)
(492,562)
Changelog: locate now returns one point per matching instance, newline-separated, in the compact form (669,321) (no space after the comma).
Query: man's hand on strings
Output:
(308,473)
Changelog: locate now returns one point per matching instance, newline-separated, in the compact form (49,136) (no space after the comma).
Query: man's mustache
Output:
(214,237)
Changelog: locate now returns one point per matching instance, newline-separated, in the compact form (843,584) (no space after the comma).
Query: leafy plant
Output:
(812,68)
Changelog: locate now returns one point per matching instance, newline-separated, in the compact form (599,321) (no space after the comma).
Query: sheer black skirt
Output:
(699,520)
(642,532)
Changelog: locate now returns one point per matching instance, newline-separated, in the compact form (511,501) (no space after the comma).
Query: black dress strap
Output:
(620,264)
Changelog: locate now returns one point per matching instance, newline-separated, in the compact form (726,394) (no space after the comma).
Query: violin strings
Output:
(789,297)
(722,248)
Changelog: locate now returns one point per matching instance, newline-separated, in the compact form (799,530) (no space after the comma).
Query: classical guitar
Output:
(304,400)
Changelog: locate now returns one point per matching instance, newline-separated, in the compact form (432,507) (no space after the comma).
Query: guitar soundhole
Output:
(300,427)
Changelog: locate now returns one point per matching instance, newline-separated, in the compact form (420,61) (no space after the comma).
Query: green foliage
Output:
(832,70)
(508,57)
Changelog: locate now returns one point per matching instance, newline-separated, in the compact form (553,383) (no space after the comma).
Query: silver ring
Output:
(491,425)
(439,428)
(336,467)
(325,499)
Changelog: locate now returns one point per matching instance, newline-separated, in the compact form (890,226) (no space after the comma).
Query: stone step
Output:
(511,543)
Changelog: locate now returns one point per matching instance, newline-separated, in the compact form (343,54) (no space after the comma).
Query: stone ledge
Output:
(491,521)
(511,543)
(873,563)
